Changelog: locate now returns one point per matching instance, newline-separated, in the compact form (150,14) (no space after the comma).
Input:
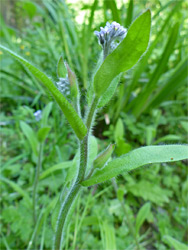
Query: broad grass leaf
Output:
(168,138)
(31,136)
(16,188)
(59,166)
(69,112)
(45,113)
(144,61)
(43,133)
(142,215)
(129,13)
(113,7)
(126,55)
(141,103)
(171,85)
(177,245)
(137,158)
(107,235)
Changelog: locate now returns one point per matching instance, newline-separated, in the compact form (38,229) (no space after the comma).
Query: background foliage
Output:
(149,108)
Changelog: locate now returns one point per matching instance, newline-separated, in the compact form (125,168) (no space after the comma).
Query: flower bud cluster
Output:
(64,86)
(110,33)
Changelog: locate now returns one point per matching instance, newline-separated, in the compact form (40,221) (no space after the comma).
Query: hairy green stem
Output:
(91,113)
(66,205)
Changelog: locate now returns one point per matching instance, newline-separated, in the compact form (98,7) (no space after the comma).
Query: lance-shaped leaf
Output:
(71,115)
(137,158)
(72,81)
(61,69)
(108,94)
(43,133)
(141,216)
(103,157)
(126,55)
(31,136)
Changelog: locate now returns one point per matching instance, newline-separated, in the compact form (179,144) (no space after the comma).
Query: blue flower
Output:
(38,115)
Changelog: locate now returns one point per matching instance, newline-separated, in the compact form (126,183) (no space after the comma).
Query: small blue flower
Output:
(38,115)
(109,34)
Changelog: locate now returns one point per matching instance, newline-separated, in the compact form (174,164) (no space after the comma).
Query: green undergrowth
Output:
(149,108)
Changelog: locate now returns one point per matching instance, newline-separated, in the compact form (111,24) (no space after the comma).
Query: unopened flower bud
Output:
(109,34)
(64,86)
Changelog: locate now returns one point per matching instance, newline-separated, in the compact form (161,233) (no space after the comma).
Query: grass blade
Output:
(177,79)
(129,13)
(140,103)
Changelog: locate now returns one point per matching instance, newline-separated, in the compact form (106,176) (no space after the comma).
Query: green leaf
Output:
(42,133)
(71,115)
(137,158)
(45,113)
(149,192)
(93,150)
(174,243)
(113,7)
(31,136)
(30,8)
(144,61)
(171,85)
(119,130)
(103,157)
(168,138)
(72,81)
(129,13)
(142,215)
(142,101)
(108,94)
(17,188)
(55,214)
(122,147)
(108,236)
(184,125)
(126,55)
(61,69)
(59,166)
(120,194)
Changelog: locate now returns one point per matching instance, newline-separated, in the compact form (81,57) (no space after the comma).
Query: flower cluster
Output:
(64,86)
(109,34)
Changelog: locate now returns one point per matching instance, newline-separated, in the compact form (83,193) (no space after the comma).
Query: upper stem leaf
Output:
(126,55)
(69,112)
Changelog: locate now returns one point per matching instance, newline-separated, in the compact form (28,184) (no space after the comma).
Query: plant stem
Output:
(91,113)
(66,205)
